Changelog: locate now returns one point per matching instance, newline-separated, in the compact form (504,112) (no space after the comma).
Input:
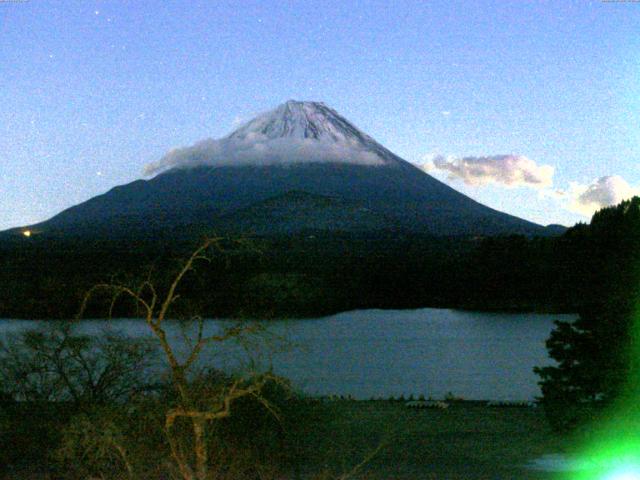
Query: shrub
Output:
(54,363)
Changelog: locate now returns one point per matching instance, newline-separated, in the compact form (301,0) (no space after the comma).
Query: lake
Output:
(382,353)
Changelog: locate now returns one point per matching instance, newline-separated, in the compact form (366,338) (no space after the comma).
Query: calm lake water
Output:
(379,353)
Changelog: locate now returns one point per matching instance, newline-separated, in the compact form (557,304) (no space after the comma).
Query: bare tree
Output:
(196,408)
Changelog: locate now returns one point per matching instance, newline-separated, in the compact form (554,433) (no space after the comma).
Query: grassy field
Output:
(388,440)
(461,442)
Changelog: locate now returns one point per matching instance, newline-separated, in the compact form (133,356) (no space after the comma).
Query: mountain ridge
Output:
(300,146)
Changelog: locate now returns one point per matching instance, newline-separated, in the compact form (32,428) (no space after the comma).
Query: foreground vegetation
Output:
(78,407)
(328,440)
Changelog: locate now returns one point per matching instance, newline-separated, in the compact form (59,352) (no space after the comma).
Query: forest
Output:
(316,273)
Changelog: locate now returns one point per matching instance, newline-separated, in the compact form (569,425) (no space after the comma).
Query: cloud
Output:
(517,170)
(237,121)
(602,192)
(256,149)
(507,170)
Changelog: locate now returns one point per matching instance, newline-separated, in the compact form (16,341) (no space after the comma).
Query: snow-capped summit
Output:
(302,120)
(294,132)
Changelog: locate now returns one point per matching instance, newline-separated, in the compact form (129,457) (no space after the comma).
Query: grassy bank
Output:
(461,442)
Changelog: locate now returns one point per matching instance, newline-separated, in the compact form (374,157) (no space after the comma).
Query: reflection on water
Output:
(379,353)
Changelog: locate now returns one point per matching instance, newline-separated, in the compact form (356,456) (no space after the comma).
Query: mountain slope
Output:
(299,147)
(302,212)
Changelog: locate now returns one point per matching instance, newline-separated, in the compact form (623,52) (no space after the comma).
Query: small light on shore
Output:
(27,233)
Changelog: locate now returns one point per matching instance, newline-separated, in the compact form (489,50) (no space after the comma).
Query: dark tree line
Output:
(319,273)
(597,355)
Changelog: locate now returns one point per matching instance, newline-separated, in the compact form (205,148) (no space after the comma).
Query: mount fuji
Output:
(299,168)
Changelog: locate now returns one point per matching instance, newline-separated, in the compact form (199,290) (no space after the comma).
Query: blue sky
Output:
(92,91)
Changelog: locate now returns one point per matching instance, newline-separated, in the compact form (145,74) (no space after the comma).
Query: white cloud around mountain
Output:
(519,171)
(602,192)
(260,150)
(505,170)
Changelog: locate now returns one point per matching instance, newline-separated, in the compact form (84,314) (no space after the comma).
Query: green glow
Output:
(624,473)
(610,448)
